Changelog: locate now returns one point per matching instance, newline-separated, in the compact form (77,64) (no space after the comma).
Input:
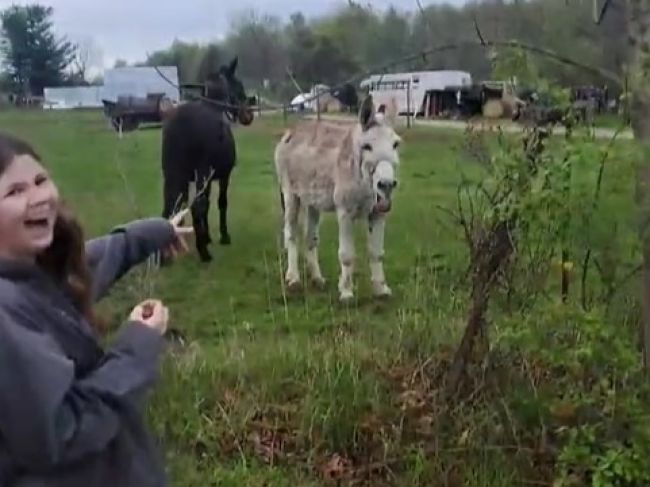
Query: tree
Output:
(639,39)
(187,57)
(34,57)
(257,40)
(317,55)
(300,41)
(88,55)
(213,57)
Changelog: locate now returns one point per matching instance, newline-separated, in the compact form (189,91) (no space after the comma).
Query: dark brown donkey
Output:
(198,146)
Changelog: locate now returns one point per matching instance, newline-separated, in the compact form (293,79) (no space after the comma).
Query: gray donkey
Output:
(344,168)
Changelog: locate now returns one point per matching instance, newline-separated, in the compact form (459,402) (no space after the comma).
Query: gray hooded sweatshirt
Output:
(71,412)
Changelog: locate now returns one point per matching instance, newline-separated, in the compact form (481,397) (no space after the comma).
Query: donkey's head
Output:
(225,87)
(378,144)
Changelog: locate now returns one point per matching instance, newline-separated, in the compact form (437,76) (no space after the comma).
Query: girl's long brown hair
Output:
(64,260)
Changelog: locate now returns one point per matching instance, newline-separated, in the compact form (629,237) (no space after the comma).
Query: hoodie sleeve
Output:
(111,256)
(49,418)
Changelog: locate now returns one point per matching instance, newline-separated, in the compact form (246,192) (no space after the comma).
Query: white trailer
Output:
(411,90)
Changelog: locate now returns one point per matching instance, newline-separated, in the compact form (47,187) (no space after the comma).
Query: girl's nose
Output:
(41,196)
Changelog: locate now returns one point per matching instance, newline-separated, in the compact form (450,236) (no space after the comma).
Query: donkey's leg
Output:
(346,255)
(311,252)
(376,226)
(175,194)
(223,209)
(200,209)
(291,213)
(207,192)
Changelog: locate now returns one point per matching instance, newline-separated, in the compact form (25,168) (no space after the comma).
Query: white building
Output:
(65,98)
(128,81)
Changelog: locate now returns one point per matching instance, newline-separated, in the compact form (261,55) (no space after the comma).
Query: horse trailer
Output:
(416,93)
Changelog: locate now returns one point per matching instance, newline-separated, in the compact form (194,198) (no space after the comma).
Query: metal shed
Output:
(140,81)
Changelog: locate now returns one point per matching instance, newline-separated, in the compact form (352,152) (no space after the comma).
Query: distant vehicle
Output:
(301,102)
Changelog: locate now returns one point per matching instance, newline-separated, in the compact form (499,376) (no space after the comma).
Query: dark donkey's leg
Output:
(174,196)
(200,210)
(223,209)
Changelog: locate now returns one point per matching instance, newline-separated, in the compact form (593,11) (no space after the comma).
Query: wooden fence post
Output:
(408,105)
(318,104)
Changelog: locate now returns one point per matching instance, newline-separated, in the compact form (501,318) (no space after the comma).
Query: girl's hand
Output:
(179,244)
(151,313)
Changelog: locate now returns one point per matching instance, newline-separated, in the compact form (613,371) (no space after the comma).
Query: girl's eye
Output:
(13,191)
(40,179)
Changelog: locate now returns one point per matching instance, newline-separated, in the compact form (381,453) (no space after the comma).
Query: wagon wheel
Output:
(164,105)
(129,123)
(115,123)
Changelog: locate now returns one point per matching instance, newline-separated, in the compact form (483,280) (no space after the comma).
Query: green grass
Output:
(271,386)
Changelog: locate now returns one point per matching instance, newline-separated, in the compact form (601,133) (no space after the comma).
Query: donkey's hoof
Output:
(225,240)
(205,256)
(293,285)
(381,290)
(346,297)
(319,283)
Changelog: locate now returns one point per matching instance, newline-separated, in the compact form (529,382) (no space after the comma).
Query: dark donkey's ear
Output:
(367,113)
(232,67)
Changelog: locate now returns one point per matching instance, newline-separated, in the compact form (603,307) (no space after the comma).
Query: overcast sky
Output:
(128,29)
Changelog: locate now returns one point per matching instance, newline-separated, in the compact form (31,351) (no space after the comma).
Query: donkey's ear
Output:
(390,112)
(387,113)
(232,67)
(367,113)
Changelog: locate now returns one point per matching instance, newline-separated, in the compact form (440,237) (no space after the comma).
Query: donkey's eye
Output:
(396,145)
(367,147)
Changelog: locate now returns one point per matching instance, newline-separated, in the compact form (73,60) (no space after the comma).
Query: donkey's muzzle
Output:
(245,115)
(382,205)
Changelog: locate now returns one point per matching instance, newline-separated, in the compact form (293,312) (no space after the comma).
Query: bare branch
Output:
(456,218)
(203,98)
(426,19)
(598,17)
(599,182)
(547,53)
(478,32)
(512,44)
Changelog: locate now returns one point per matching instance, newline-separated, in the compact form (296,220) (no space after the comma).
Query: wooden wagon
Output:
(128,112)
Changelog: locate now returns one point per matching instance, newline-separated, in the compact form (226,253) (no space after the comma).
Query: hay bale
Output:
(328,103)
(493,109)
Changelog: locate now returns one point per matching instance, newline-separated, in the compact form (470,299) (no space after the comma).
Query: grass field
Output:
(278,390)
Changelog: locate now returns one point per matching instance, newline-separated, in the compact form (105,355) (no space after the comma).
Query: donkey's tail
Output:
(277,158)
(281,223)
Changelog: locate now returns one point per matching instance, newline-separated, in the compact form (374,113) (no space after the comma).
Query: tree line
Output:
(276,56)
(279,57)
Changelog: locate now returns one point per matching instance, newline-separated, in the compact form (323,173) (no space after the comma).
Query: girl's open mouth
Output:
(37,223)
